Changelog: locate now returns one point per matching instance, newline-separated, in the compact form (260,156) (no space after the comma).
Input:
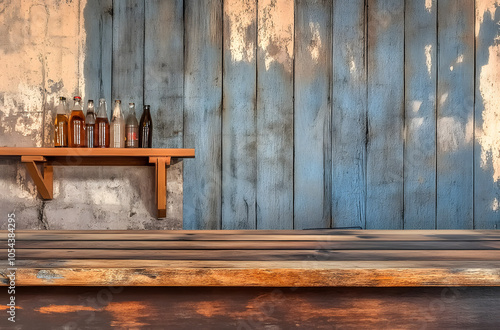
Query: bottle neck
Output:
(61,108)
(102,113)
(117,111)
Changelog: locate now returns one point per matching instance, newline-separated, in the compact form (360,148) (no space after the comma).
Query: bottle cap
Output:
(62,98)
(146,107)
(77,98)
(118,101)
(131,104)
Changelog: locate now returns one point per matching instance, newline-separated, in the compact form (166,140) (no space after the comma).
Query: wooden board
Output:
(256,235)
(455,122)
(98,49)
(164,70)
(128,53)
(164,258)
(256,308)
(202,113)
(312,114)
(97,152)
(486,134)
(420,115)
(349,114)
(239,116)
(384,204)
(275,114)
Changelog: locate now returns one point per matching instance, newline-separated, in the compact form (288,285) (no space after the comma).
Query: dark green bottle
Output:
(146,129)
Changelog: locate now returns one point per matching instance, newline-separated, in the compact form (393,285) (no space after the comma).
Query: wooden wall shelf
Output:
(49,157)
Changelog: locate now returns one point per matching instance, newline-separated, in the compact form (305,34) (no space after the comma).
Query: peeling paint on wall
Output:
(428,5)
(315,45)
(428,59)
(240,14)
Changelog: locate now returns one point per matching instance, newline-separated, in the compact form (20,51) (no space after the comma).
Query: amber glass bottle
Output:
(76,125)
(61,125)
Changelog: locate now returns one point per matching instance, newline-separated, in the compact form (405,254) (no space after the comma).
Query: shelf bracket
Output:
(43,182)
(161,164)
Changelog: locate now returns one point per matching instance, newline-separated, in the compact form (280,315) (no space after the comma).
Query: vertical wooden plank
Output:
(128,52)
(202,113)
(349,114)
(239,149)
(420,115)
(275,114)
(164,65)
(384,205)
(455,114)
(312,114)
(97,48)
(487,116)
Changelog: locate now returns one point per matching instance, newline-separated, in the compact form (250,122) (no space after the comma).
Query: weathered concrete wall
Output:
(43,55)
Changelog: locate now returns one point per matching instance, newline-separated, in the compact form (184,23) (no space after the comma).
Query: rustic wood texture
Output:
(487,111)
(239,117)
(202,113)
(275,114)
(128,53)
(455,120)
(420,114)
(98,49)
(256,308)
(349,114)
(384,203)
(269,258)
(164,70)
(312,115)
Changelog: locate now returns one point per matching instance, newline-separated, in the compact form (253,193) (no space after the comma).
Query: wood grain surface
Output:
(260,258)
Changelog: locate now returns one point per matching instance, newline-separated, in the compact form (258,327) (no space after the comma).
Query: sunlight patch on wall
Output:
(276,32)
(489,137)
(428,5)
(241,16)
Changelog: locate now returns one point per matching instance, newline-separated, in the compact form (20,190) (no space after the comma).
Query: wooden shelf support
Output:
(161,164)
(43,181)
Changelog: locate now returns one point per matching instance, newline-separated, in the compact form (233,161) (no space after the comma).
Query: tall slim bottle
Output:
(146,129)
(117,127)
(131,128)
(61,125)
(101,129)
(89,125)
(76,132)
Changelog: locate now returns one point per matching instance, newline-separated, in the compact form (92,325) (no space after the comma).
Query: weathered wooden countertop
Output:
(311,258)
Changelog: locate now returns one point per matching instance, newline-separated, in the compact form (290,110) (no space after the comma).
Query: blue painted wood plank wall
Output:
(376,114)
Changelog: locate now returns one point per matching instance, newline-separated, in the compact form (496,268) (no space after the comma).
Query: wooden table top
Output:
(307,258)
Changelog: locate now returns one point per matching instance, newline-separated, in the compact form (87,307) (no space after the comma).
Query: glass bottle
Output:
(89,125)
(117,127)
(76,132)
(101,129)
(146,129)
(131,128)
(61,125)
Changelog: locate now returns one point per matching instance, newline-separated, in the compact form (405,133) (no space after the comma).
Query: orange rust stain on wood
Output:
(127,314)
(64,309)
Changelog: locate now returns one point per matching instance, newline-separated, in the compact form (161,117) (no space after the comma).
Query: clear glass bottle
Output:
(76,132)
(117,127)
(101,129)
(146,129)
(89,125)
(61,124)
(131,128)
